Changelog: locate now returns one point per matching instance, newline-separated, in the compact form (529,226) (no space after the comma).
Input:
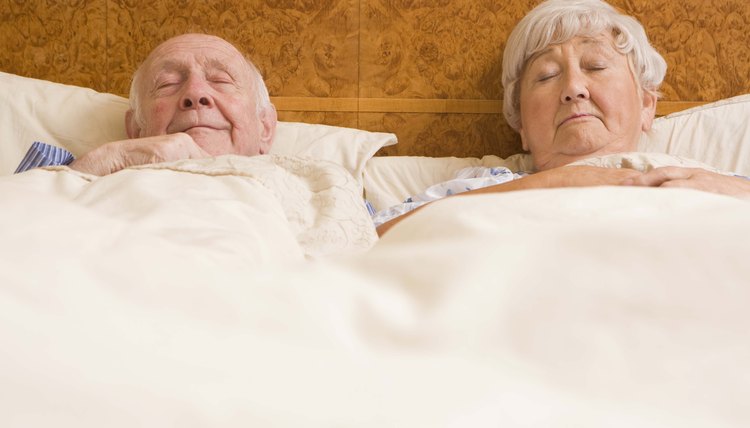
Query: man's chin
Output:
(210,142)
(216,149)
(198,131)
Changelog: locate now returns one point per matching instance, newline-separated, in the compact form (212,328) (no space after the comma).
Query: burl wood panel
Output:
(437,49)
(345,119)
(351,51)
(434,48)
(453,48)
(303,48)
(706,44)
(460,135)
(59,41)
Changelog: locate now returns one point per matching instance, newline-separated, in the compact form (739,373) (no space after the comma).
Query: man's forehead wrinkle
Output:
(170,65)
(204,45)
(207,50)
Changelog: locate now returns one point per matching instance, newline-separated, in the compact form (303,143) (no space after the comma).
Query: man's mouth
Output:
(199,128)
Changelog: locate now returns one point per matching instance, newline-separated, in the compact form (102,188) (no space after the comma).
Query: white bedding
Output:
(306,208)
(181,296)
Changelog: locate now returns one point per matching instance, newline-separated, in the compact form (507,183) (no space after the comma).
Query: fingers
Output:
(692,178)
(185,147)
(659,177)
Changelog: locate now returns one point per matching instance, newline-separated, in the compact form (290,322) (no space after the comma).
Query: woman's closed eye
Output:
(546,74)
(545,77)
(596,67)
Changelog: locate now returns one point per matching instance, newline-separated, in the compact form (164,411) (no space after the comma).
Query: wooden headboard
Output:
(427,70)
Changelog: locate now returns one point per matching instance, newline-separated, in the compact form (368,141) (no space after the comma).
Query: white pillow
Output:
(75,118)
(348,147)
(80,119)
(388,180)
(717,134)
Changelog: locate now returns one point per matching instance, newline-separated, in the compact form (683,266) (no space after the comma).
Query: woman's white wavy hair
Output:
(262,98)
(557,21)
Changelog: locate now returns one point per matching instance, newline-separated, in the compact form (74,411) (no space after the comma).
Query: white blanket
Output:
(257,210)
(588,307)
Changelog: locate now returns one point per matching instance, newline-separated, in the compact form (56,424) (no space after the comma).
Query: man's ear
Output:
(268,119)
(131,126)
(648,110)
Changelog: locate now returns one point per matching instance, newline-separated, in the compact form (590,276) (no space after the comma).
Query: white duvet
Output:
(210,296)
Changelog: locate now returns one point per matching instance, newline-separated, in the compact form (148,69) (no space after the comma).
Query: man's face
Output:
(201,85)
(579,99)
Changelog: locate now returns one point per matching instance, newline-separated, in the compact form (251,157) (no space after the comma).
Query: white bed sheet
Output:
(586,307)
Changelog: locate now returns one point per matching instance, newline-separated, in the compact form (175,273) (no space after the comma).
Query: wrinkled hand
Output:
(579,176)
(565,176)
(114,156)
(692,178)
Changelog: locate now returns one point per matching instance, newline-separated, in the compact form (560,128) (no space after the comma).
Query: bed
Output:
(254,291)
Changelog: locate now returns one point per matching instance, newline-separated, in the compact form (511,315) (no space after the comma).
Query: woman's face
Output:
(579,99)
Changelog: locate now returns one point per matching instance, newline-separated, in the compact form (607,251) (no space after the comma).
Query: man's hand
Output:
(692,178)
(112,157)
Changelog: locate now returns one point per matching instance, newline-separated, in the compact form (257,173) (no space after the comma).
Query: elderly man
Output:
(194,96)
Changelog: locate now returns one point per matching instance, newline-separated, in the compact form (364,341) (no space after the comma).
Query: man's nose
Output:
(189,102)
(196,95)
(575,87)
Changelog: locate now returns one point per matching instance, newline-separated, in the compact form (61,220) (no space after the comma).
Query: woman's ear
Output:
(648,110)
(131,125)
(523,139)
(268,120)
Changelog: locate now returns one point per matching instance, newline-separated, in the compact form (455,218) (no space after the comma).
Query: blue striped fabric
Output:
(41,154)
(370,209)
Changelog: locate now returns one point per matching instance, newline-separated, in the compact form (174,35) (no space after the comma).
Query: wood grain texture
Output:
(348,120)
(416,105)
(428,70)
(303,48)
(430,134)
(706,44)
(434,48)
(58,41)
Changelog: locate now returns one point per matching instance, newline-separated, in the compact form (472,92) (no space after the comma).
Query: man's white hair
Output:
(262,98)
(557,21)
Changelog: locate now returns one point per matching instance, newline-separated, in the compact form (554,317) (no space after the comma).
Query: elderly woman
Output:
(581,80)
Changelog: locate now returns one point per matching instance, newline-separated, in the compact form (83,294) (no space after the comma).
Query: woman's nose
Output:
(575,87)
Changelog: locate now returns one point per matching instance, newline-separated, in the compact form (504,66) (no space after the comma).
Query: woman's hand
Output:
(565,176)
(692,178)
